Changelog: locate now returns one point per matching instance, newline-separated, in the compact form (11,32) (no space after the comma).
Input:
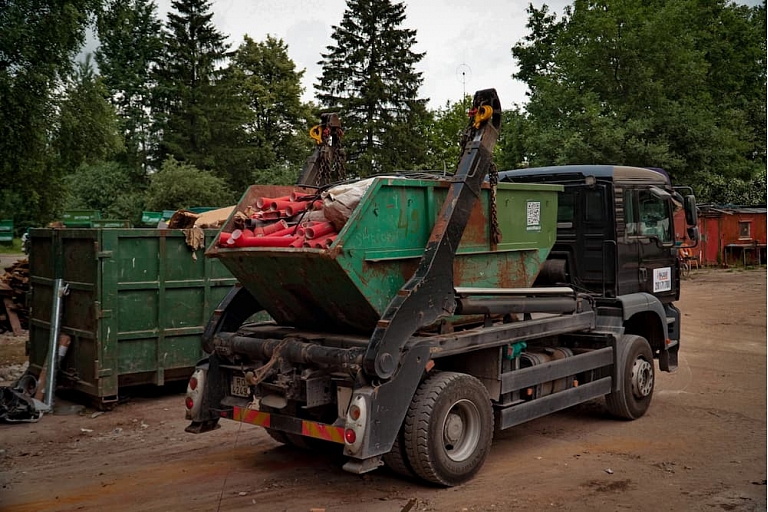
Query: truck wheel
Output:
(397,459)
(448,428)
(634,397)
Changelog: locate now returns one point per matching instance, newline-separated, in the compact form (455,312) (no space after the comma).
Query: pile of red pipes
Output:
(278,222)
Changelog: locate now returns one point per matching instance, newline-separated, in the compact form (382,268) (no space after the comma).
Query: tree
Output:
(510,150)
(130,44)
(273,132)
(38,41)
(186,95)
(368,75)
(87,129)
(444,135)
(648,84)
(181,185)
(105,186)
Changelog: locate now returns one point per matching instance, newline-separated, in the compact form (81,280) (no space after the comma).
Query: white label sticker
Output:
(662,279)
(533,216)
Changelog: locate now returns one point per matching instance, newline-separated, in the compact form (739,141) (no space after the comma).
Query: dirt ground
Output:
(701,446)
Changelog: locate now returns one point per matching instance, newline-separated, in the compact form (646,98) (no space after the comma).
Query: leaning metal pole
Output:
(59,290)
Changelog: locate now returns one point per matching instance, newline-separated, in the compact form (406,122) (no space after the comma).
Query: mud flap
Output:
(668,358)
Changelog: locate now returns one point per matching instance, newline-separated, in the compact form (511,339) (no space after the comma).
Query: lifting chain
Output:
(493,179)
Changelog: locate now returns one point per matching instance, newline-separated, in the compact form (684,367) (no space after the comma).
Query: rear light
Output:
(193,383)
(189,402)
(354,412)
(349,436)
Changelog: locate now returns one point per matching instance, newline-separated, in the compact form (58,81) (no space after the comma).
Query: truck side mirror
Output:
(691,216)
(693,233)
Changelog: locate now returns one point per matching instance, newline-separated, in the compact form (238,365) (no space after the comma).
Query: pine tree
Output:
(369,76)
(130,44)
(186,95)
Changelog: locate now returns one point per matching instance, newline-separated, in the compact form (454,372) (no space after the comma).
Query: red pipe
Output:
(279,204)
(317,205)
(224,238)
(328,240)
(291,231)
(269,241)
(270,229)
(294,208)
(300,196)
(297,242)
(319,230)
(263,203)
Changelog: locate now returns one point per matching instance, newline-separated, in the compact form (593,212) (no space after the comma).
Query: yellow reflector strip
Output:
(251,416)
(322,431)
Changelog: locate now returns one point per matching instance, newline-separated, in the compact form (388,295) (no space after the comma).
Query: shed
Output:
(730,235)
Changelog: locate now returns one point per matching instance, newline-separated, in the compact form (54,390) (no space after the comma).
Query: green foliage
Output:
(675,84)
(87,130)
(369,77)
(444,135)
(186,97)
(181,185)
(272,120)
(38,40)
(130,44)
(107,187)
(510,152)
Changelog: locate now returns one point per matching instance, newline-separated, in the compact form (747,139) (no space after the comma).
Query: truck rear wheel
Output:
(397,459)
(634,397)
(448,428)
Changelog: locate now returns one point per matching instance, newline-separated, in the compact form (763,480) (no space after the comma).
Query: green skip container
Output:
(137,305)
(347,287)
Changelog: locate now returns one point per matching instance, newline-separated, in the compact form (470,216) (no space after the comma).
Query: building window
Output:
(745,230)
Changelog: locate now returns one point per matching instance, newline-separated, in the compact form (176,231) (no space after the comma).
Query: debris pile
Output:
(297,220)
(14,285)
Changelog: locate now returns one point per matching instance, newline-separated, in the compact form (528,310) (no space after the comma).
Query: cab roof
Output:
(619,173)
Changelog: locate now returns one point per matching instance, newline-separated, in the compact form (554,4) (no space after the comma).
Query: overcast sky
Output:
(474,36)
(470,36)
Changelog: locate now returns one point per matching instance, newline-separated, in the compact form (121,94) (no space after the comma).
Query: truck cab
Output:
(616,241)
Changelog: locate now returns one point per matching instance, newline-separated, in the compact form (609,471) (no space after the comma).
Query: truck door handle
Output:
(644,274)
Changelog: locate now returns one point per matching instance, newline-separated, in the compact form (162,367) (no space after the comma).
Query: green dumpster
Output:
(151,219)
(79,218)
(6,232)
(138,302)
(110,223)
(348,286)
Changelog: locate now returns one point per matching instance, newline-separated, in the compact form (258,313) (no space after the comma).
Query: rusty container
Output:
(347,286)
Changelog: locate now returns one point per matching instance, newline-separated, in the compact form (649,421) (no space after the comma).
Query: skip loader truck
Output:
(441,309)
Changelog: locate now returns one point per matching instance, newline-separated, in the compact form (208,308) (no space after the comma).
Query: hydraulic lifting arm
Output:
(429,294)
(326,164)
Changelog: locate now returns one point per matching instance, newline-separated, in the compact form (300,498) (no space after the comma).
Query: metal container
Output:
(80,218)
(347,287)
(138,302)
(6,231)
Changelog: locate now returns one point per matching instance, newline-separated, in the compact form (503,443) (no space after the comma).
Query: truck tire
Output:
(397,459)
(448,428)
(632,400)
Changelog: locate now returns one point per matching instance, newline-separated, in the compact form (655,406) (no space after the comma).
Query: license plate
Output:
(239,387)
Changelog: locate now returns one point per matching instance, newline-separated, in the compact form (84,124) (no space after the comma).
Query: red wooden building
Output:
(730,236)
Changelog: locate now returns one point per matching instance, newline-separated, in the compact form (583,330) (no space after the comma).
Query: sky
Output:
(467,42)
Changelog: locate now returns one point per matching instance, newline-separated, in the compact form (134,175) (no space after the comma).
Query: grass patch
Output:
(14,248)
